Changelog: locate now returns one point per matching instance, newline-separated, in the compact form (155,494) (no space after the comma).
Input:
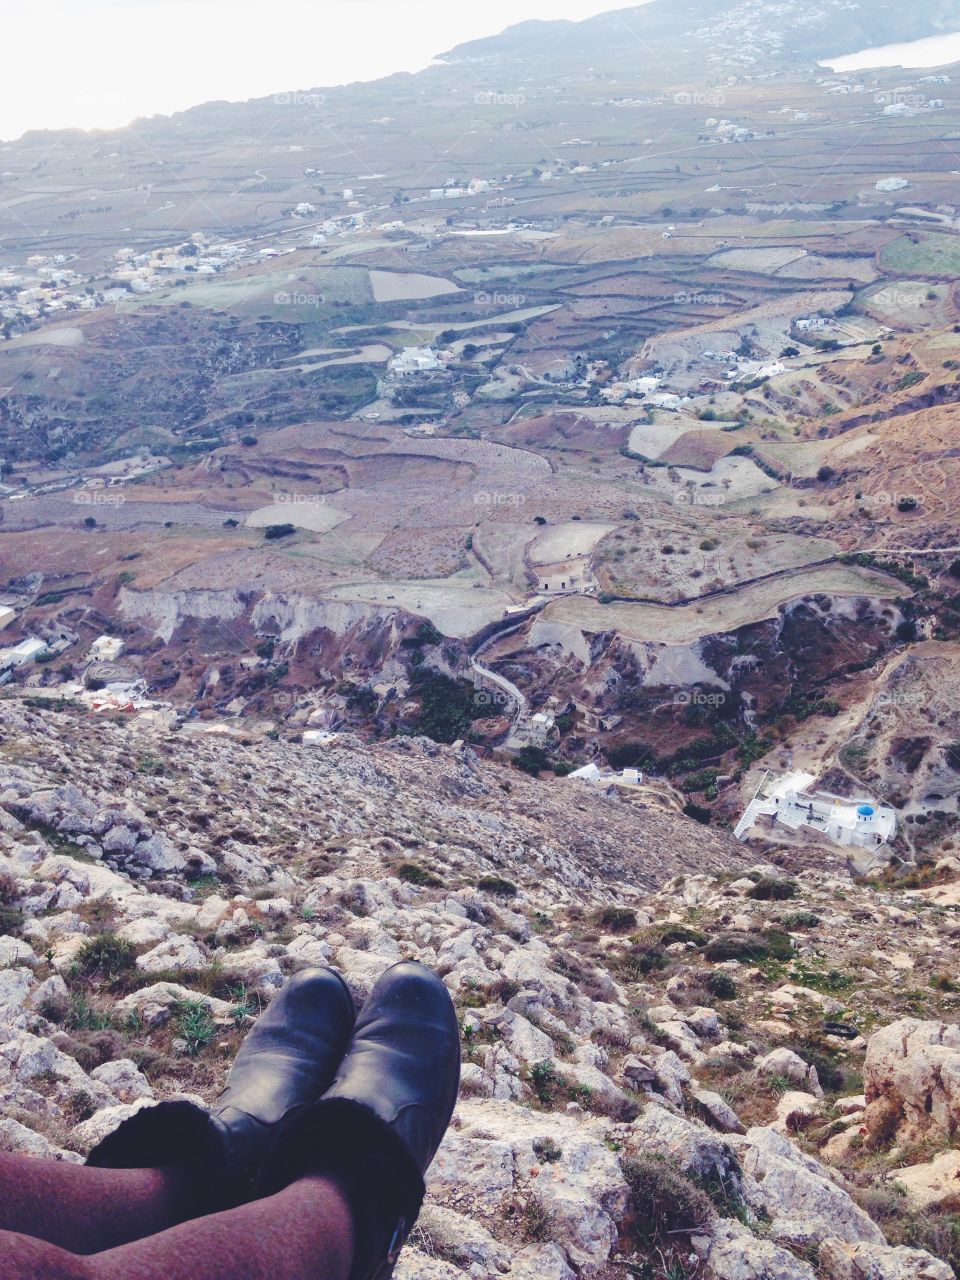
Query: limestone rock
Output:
(804,1205)
(841,1261)
(932,1186)
(735,1253)
(912,1072)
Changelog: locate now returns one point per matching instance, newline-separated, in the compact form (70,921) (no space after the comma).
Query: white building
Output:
(790,802)
(607,777)
(6,616)
(414,360)
(589,773)
(105,649)
(319,737)
(26,651)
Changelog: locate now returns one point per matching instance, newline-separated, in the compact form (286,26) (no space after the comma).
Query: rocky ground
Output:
(675,1066)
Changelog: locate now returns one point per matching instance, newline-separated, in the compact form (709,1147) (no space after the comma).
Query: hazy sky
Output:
(101,63)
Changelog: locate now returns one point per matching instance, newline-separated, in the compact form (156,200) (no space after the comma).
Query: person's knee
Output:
(24,1258)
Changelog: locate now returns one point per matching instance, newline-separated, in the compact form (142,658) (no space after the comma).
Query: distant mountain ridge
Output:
(810,30)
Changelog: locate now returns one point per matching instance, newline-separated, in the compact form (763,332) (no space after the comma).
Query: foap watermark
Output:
(299,99)
(698,498)
(685,298)
(901,501)
(892,296)
(301,499)
(296,298)
(490,698)
(498,299)
(899,98)
(906,698)
(484,499)
(699,98)
(493,98)
(697,698)
(99,498)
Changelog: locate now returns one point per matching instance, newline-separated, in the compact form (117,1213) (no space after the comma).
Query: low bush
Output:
(105,956)
(638,961)
(800,920)
(664,1202)
(769,889)
(413,873)
(721,986)
(498,886)
(195,1025)
(749,946)
(616,919)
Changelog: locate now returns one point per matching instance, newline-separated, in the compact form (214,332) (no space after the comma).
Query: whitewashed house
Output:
(791,802)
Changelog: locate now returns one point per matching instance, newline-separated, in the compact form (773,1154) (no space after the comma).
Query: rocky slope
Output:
(674,1066)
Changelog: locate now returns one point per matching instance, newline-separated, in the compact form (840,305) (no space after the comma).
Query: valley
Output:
(638,376)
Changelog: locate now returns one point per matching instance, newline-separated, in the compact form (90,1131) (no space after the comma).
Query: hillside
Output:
(817,30)
(675,1065)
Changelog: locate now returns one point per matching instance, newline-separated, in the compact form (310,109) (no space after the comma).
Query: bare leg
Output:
(87,1210)
(303,1233)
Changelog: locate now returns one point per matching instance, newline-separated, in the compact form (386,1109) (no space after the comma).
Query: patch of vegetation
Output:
(772,944)
(536,1223)
(274,531)
(615,919)
(698,813)
(721,986)
(800,920)
(639,960)
(105,956)
(770,889)
(895,569)
(551,1086)
(413,873)
(194,1025)
(498,886)
(681,933)
(447,707)
(664,1203)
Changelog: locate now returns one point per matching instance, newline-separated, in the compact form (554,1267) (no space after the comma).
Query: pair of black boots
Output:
(314,1092)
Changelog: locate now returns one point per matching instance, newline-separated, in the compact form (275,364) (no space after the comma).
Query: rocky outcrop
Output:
(912,1079)
(601,1045)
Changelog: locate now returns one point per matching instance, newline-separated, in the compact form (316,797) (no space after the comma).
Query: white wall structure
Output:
(789,801)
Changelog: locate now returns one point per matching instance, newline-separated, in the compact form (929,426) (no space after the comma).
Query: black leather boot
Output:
(288,1059)
(378,1127)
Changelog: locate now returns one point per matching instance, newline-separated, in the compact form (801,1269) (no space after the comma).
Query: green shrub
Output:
(616,919)
(195,1025)
(499,887)
(11,920)
(681,933)
(84,1016)
(413,873)
(800,920)
(721,986)
(663,1203)
(736,946)
(105,956)
(749,946)
(769,889)
(640,960)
